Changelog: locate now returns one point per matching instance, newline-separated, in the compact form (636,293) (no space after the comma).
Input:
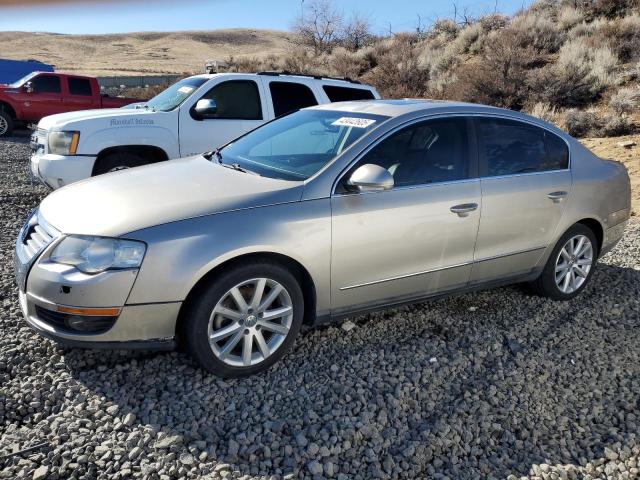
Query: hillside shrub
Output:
(625,100)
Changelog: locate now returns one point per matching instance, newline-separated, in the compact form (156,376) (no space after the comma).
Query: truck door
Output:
(288,96)
(240,107)
(45,98)
(80,95)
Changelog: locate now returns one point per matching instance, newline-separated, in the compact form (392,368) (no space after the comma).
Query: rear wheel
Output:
(245,320)
(118,161)
(6,124)
(570,265)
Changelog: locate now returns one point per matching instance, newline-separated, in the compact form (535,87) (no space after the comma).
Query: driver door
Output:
(404,243)
(240,108)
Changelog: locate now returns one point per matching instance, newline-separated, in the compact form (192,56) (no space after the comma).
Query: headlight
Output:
(97,254)
(63,143)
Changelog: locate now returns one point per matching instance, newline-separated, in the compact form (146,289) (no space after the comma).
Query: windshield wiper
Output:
(209,155)
(236,166)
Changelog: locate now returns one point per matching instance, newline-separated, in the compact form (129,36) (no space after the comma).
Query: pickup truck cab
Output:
(40,94)
(196,114)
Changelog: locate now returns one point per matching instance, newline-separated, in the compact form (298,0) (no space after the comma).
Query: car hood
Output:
(113,116)
(121,202)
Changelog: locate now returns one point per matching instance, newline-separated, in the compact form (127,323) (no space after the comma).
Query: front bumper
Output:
(79,309)
(56,171)
(137,327)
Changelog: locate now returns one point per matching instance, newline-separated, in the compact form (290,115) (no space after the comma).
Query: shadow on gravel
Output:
(480,386)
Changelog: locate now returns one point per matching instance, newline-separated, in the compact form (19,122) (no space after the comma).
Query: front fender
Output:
(92,143)
(179,254)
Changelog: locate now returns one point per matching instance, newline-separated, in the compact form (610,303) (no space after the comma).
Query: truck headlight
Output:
(97,254)
(63,143)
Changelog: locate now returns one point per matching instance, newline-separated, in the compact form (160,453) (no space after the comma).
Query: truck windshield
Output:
(296,146)
(177,93)
(23,80)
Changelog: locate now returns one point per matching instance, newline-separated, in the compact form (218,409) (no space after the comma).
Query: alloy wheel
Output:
(250,322)
(4,125)
(573,264)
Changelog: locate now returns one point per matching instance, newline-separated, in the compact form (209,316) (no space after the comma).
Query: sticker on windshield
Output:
(354,122)
(185,89)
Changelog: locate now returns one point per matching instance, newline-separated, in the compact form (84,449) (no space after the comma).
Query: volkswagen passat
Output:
(325,212)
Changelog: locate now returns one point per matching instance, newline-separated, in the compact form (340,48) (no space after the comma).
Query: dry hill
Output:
(145,52)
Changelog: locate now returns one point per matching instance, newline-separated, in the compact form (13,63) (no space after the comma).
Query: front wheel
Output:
(570,265)
(245,320)
(6,124)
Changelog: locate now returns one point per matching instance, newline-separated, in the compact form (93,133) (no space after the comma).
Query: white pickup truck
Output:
(197,114)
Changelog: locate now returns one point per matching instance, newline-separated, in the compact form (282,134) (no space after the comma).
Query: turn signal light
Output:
(97,312)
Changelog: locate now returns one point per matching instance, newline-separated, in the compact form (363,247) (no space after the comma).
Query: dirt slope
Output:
(138,53)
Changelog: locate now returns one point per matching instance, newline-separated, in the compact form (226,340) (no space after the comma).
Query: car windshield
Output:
(23,80)
(296,146)
(177,93)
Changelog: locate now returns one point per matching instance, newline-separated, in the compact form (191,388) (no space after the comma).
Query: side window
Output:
(236,100)
(46,84)
(80,86)
(343,94)
(288,97)
(509,147)
(427,152)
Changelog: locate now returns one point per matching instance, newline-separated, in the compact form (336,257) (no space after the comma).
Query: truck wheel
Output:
(6,124)
(117,161)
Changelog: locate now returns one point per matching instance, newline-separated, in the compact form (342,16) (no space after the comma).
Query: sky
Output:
(160,15)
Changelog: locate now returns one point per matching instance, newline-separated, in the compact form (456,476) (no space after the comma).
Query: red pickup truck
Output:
(40,94)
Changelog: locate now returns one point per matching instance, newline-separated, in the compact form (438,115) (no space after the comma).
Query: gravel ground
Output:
(497,384)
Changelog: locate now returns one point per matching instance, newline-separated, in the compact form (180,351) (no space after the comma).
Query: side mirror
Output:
(28,87)
(206,108)
(371,178)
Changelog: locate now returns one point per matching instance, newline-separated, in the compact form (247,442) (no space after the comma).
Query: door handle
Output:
(556,196)
(464,209)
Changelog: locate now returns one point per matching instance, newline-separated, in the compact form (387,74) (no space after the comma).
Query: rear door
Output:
(526,183)
(80,95)
(286,96)
(240,108)
(46,98)
(400,244)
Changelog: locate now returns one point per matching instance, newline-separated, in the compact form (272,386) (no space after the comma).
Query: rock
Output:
(41,473)
(315,467)
(627,144)
(129,419)
(348,326)
(168,442)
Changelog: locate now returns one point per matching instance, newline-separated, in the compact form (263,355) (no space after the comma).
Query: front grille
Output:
(34,237)
(35,240)
(74,323)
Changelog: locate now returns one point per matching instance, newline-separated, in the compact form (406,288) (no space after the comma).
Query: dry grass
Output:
(142,53)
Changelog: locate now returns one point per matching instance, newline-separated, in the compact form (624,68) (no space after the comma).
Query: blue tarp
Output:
(12,70)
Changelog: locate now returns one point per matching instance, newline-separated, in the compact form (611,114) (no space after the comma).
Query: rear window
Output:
(46,84)
(80,86)
(510,147)
(344,94)
(289,96)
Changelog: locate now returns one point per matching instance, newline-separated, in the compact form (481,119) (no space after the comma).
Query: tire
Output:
(6,124)
(547,285)
(225,358)
(117,161)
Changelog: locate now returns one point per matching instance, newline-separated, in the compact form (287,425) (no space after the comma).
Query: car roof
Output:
(397,108)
